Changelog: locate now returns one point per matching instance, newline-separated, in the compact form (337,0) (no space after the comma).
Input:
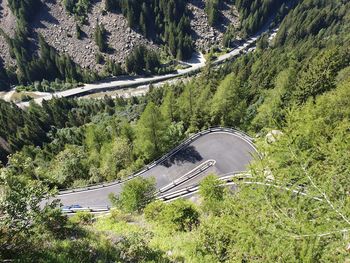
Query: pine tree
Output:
(79,32)
(169,107)
(100,38)
(151,132)
(228,103)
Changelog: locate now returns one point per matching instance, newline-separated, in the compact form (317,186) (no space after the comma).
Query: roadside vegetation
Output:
(46,86)
(299,83)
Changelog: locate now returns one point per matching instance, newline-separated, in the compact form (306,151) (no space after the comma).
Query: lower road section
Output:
(216,152)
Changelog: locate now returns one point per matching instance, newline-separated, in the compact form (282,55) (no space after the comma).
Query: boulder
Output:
(273,136)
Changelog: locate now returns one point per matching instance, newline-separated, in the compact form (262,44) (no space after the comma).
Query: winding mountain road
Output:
(218,151)
(196,63)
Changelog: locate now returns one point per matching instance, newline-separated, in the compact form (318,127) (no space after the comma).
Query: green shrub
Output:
(180,215)
(82,217)
(136,194)
(153,210)
(211,191)
(118,215)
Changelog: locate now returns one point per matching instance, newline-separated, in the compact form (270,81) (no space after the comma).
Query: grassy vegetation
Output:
(181,244)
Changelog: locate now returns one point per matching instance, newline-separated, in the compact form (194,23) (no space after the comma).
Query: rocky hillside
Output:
(205,36)
(58,28)
(8,25)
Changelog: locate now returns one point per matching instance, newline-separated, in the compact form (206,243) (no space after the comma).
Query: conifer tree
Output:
(100,37)
(151,132)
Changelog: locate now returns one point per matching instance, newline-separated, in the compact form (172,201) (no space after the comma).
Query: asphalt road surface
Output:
(231,153)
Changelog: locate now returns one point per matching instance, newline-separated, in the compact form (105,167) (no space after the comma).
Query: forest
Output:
(168,21)
(255,13)
(298,83)
(165,22)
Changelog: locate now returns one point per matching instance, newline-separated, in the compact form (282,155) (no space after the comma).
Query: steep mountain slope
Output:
(58,27)
(59,30)
(206,36)
(83,41)
(8,24)
(293,207)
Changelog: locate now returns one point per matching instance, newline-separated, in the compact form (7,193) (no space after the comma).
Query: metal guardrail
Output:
(229,178)
(204,166)
(183,144)
(91,209)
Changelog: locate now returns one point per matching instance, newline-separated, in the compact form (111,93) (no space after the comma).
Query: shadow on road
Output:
(187,154)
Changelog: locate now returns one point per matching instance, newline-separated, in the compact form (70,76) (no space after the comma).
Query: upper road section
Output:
(195,64)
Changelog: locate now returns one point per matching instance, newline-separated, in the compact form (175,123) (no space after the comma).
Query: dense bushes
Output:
(31,232)
(211,191)
(179,215)
(136,194)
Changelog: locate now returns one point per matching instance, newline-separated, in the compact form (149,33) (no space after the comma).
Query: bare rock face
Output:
(8,25)
(59,30)
(5,53)
(7,19)
(204,35)
(268,175)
